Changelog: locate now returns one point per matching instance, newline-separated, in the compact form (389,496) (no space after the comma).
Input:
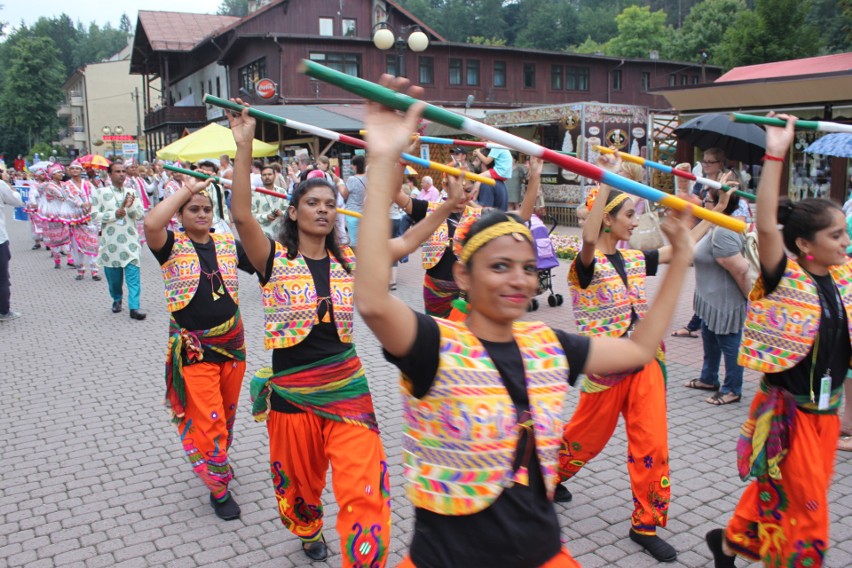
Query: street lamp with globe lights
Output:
(117,131)
(384,38)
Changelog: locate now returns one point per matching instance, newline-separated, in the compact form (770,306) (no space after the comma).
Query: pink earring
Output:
(809,257)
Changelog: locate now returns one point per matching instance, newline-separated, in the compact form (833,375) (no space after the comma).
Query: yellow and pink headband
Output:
(517,230)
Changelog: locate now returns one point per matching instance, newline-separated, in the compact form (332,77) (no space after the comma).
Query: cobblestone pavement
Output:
(93,474)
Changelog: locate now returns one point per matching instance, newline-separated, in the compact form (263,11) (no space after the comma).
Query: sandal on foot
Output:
(844,443)
(684,332)
(316,550)
(714,540)
(655,546)
(701,385)
(719,399)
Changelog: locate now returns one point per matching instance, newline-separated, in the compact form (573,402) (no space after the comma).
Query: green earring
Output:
(607,230)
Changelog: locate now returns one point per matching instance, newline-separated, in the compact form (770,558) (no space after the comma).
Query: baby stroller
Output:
(545,261)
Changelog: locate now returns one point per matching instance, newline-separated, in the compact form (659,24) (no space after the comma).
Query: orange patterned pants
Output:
(301,446)
(641,399)
(784,522)
(207,428)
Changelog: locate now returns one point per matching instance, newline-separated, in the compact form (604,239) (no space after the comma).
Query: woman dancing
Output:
(482,399)
(797,333)
(206,356)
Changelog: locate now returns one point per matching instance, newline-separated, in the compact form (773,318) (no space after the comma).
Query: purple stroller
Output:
(545,261)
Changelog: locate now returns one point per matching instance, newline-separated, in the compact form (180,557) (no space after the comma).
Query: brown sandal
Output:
(683,332)
(719,399)
(701,385)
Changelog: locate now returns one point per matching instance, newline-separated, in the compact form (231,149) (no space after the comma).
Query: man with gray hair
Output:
(428,192)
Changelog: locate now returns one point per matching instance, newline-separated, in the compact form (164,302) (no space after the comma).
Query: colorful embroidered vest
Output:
(183,269)
(780,328)
(604,307)
(460,440)
(290,299)
(433,249)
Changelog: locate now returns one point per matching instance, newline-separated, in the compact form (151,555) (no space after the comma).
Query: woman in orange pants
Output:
(797,333)
(315,399)
(608,293)
(483,398)
(206,359)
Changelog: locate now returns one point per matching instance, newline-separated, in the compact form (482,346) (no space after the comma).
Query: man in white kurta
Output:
(267,209)
(117,209)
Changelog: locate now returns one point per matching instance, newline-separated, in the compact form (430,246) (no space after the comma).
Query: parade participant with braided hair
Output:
(608,296)
(483,398)
(797,333)
(315,398)
(206,357)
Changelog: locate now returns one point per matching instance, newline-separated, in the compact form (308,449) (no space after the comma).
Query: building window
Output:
(646,81)
(218,87)
(201,89)
(695,79)
(391,65)
(499,73)
(672,80)
(326,26)
(455,70)
(529,75)
(473,72)
(348,27)
(616,80)
(556,77)
(252,73)
(684,79)
(577,78)
(426,73)
(349,63)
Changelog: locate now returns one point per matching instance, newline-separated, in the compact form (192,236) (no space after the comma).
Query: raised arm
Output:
(533,187)
(157,220)
(642,345)
(388,134)
(770,244)
(252,237)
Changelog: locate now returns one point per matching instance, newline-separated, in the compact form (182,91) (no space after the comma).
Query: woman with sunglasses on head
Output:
(608,295)
(315,398)
(207,353)
(482,399)
(797,333)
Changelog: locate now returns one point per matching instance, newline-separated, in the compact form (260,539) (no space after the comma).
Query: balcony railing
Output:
(175,115)
(76,99)
(64,110)
(79,136)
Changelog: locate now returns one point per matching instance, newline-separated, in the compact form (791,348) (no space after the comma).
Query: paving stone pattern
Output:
(94,476)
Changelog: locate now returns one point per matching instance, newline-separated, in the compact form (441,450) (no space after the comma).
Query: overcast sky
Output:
(100,11)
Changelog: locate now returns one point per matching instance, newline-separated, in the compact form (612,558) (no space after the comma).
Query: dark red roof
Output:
(839,63)
(180,31)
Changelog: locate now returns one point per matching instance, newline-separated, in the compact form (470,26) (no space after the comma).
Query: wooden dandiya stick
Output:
(217,179)
(336,136)
(673,171)
(285,196)
(198,175)
(819,125)
(402,102)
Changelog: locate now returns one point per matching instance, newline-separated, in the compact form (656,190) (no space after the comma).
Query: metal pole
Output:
(138,123)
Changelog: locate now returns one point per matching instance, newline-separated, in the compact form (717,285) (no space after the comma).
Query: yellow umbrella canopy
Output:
(212,140)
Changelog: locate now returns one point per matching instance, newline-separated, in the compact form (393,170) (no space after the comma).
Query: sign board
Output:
(129,149)
(23,187)
(265,89)
(118,138)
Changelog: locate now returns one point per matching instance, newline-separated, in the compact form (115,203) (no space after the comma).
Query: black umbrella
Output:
(740,141)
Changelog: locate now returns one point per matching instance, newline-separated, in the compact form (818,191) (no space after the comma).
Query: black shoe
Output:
(562,495)
(714,540)
(116,307)
(137,315)
(78,277)
(57,266)
(36,246)
(227,510)
(96,278)
(655,546)
(316,550)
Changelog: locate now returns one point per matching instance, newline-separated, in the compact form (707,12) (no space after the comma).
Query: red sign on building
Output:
(265,88)
(118,138)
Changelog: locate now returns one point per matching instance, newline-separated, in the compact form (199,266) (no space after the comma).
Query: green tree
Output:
(640,31)
(834,20)
(233,8)
(775,30)
(65,36)
(547,24)
(125,26)
(597,22)
(588,46)
(704,28)
(32,89)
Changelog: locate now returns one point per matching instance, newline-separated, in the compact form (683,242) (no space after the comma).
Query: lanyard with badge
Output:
(825,381)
